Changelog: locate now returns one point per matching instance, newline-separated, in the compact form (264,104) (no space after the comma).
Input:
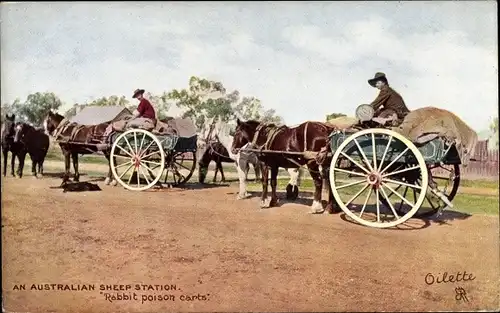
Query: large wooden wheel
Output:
(137,159)
(370,162)
(180,166)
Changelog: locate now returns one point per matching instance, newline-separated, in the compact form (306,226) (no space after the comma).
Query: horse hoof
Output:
(244,196)
(114,183)
(264,204)
(107,181)
(289,192)
(317,208)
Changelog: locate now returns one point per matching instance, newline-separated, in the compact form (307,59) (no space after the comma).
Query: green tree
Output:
(36,107)
(334,115)
(161,103)
(251,108)
(204,99)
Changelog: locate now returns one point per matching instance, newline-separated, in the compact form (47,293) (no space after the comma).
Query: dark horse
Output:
(216,152)
(8,132)
(36,144)
(75,139)
(309,141)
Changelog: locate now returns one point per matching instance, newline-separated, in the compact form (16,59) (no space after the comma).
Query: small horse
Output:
(305,140)
(80,139)
(214,152)
(8,144)
(36,144)
(221,133)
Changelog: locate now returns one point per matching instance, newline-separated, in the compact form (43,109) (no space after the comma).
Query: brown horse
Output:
(305,140)
(75,139)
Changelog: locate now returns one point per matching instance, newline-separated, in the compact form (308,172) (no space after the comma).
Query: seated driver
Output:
(389,106)
(145,113)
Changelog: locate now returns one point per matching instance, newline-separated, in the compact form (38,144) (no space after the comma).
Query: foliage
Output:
(204,99)
(334,115)
(250,108)
(36,107)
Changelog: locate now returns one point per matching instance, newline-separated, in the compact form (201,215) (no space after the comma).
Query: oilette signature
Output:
(444,278)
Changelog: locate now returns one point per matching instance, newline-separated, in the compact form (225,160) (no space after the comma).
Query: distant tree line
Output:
(201,100)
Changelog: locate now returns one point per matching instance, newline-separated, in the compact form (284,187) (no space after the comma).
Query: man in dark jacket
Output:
(389,106)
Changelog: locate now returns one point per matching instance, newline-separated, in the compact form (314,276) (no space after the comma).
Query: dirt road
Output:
(227,255)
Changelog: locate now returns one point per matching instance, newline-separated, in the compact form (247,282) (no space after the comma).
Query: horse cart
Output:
(382,176)
(139,157)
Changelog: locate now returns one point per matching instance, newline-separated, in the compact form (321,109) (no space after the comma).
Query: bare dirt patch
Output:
(235,256)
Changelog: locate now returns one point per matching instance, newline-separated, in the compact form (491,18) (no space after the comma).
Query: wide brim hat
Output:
(378,76)
(138,92)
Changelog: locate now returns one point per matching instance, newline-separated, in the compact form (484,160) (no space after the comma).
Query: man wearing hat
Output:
(145,113)
(389,106)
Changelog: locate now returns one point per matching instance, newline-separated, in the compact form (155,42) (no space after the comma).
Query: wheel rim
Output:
(375,158)
(137,159)
(180,167)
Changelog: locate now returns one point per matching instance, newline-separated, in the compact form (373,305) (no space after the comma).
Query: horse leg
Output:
(40,168)
(13,163)
(332,206)
(108,178)
(256,169)
(264,202)
(222,173)
(242,178)
(292,191)
(20,168)
(5,156)
(216,171)
(74,156)
(274,184)
(34,162)
(66,165)
(317,206)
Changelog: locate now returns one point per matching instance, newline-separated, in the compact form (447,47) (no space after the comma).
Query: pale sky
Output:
(305,60)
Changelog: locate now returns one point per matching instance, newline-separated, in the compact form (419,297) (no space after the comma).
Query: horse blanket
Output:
(425,124)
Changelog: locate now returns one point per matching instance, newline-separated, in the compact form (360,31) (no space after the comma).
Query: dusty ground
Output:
(235,256)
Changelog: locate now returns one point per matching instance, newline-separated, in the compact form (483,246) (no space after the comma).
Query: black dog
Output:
(78,187)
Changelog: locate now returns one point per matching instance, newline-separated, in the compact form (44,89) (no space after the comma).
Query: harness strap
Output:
(305,136)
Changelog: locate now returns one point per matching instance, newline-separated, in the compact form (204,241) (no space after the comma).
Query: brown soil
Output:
(240,258)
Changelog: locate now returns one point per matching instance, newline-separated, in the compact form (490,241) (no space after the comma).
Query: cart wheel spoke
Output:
(363,155)
(129,146)
(150,154)
(354,162)
(126,171)
(351,184)
(389,202)
(128,153)
(151,162)
(349,172)
(402,171)
(366,201)
(385,153)
(143,174)
(357,194)
(401,183)
(124,164)
(140,146)
(395,159)
(378,205)
(135,143)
